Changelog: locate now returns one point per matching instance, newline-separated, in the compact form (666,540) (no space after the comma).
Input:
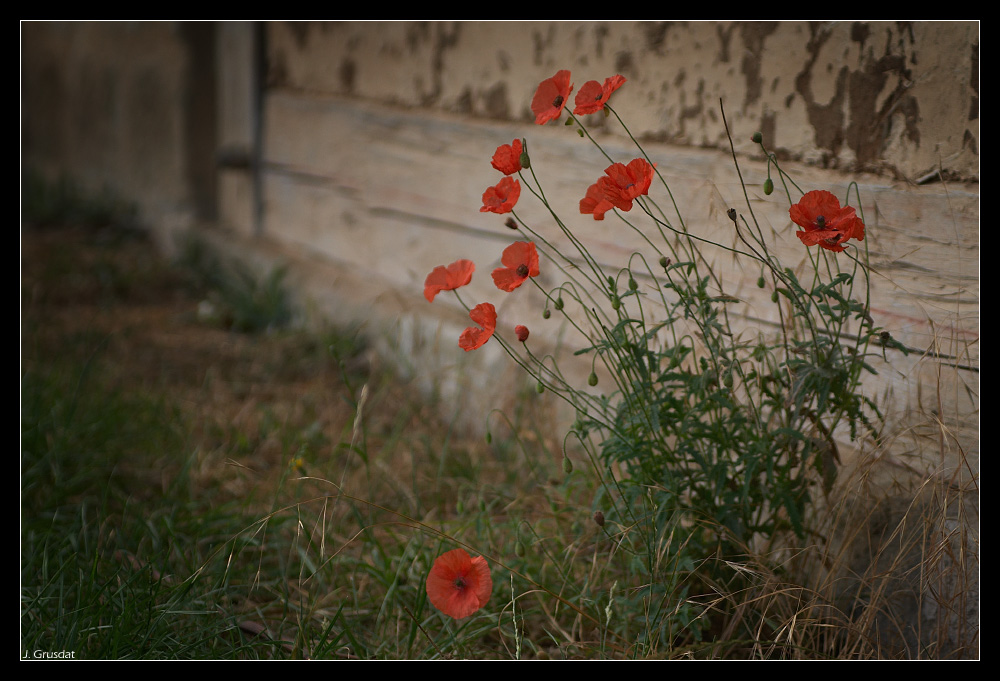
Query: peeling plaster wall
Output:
(378,137)
(899,98)
(367,157)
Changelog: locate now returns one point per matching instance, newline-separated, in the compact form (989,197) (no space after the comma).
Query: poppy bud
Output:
(757,138)
(510,224)
(522,332)
(489,437)
(524,160)
(774,297)
(760,282)
(632,283)
(546,313)
(459,507)
(539,388)
(593,378)
(559,303)
(579,132)
(664,262)
(599,518)
(519,548)
(732,214)
(615,302)
(567,465)
(768,186)
(728,381)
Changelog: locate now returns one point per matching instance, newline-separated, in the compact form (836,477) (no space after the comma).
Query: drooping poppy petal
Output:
(620,185)
(825,221)
(594,202)
(458,584)
(593,95)
(550,97)
(485,315)
(507,157)
(627,182)
(520,261)
(502,197)
(449,278)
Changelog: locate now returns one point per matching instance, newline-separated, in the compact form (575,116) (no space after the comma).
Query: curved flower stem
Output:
(551,249)
(581,248)
(628,132)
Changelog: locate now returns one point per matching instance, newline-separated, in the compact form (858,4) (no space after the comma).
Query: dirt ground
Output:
(108,298)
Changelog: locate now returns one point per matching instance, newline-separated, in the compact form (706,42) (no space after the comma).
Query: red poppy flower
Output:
(485,315)
(459,584)
(825,222)
(502,197)
(618,188)
(550,97)
(520,261)
(507,157)
(594,202)
(593,96)
(625,183)
(449,278)
(521,332)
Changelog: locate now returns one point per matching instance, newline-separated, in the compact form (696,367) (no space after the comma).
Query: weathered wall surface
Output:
(359,152)
(402,119)
(894,97)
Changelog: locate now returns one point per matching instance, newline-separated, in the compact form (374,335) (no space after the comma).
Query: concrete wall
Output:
(128,106)
(899,98)
(359,152)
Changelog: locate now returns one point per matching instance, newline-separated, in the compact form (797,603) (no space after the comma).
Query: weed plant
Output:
(712,440)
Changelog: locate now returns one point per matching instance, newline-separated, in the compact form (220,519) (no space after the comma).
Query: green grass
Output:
(195,492)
